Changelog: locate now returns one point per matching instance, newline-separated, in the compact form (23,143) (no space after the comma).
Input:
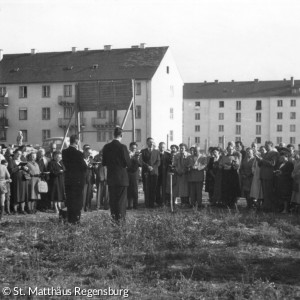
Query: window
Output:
(101,114)
(258,117)
(238,129)
(238,117)
(3,135)
(197,139)
(279,115)
(46,91)
(221,128)
(138,88)
(279,140)
(46,113)
(138,111)
(2,92)
(293,115)
(23,92)
(293,128)
(258,104)
(68,111)
(258,129)
(221,116)
(45,134)
(25,137)
(292,140)
(238,138)
(168,69)
(138,135)
(110,135)
(22,113)
(293,102)
(279,128)
(279,103)
(101,136)
(221,103)
(197,128)
(171,136)
(197,104)
(171,91)
(221,140)
(258,140)
(171,113)
(197,116)
(238,105)
(67,90)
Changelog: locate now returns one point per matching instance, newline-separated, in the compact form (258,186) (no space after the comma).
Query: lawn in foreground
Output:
(211,254)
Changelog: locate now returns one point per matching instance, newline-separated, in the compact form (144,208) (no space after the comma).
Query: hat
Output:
(174,146)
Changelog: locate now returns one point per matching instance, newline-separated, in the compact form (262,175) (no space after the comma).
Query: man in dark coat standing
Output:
(116,159)
(74,179)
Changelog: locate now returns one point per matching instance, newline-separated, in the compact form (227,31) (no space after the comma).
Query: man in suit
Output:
(133,175)
(74,179)
(150,161)
(116,159)
(267,165)
(165,162)
(196,163)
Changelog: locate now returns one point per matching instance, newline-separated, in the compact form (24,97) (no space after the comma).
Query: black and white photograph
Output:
(149,149)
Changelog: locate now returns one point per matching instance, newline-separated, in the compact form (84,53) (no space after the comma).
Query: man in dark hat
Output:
(116,159)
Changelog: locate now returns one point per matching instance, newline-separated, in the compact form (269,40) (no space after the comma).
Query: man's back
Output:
(74,163)
(116,159)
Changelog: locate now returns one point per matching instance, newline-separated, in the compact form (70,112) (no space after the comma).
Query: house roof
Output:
(130,63)
(240,89)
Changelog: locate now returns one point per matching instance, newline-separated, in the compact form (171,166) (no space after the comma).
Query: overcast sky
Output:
(209,39)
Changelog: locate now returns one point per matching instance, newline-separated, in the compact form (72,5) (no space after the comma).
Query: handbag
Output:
(42,187)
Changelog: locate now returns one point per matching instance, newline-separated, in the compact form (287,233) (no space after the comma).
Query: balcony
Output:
(65,101)
(104,124)
(3,122)
(3,101)
(63,122)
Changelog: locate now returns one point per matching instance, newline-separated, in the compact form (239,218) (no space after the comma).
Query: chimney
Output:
(107,47)
(292,82)
(216,81)
(142,45)
(74,49)
(86,49)
(33,51)
(256,80)
(1,54)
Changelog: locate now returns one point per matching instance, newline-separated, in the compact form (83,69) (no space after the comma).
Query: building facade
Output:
(218,112)
(38,92)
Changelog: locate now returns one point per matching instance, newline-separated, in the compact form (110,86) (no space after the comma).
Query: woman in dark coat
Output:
(284,180)
(57,181)
(229,164)
(19,185)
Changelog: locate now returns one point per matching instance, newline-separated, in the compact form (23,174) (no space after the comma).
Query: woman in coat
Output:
(19,185)
(57,180)
(35,173)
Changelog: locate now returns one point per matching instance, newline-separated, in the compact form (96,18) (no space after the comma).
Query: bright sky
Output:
(209,39)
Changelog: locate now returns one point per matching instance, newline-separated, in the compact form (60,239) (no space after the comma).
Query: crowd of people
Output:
(268,177)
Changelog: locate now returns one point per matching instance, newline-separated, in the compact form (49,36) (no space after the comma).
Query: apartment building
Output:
(38,92)
(218,112)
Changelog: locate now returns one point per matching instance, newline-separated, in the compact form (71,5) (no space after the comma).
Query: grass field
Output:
(207,254)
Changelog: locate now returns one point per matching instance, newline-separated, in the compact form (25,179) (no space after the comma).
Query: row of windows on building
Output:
(238,116)
(68,111)
(67,90)
(258,104)
(258,128)
(258,140)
